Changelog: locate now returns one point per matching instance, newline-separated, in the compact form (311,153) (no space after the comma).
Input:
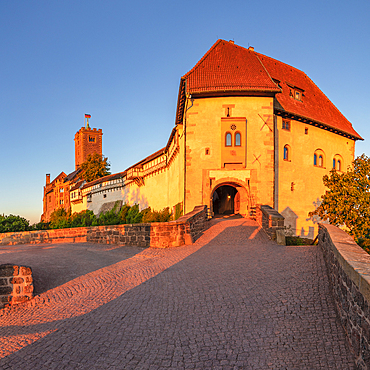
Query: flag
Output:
(87,115)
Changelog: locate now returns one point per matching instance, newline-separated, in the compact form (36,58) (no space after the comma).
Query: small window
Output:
(286,153)
(91,139)
(49,198)
(61,201)
(61,190)
(207,151)
(104,195)
(334,164)
(297,95)
(315,159)
(228,141)
(286,125)
(306,130)
(237,139)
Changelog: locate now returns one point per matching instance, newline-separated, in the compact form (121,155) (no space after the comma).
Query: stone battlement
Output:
(156,234)
(16,284)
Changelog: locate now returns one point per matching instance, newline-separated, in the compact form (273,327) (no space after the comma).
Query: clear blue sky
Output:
(121,61)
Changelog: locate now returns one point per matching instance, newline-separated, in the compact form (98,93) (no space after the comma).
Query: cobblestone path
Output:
(232,300)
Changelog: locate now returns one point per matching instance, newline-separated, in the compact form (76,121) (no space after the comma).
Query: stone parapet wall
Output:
(348,268)
(157,234)
(16,284)
(272,222)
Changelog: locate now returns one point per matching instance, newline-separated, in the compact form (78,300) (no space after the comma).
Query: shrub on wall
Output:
(156,216)
(123,214)
(84,218)
(178,211)
(61,219)
(133,215)
(13,223)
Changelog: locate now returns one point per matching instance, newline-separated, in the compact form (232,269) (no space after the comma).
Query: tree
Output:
(13,223)
(95,167)
(60,219)
(347,202)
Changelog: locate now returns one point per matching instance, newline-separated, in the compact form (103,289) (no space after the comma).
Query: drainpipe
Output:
(276,165)
(192,101)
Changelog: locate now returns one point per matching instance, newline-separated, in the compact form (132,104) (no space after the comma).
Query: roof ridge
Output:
(204,57)
(266,56)
(266,71)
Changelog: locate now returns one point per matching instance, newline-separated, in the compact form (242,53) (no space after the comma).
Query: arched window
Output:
(238,140)
(228,140)
(339,165)
(319,158)
(286,153)
(337,162)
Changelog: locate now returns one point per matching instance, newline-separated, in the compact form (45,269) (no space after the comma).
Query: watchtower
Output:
(87,141)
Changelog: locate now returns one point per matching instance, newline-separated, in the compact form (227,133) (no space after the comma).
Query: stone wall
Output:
(348,268)
(16,284)
(157,234)
(272,222)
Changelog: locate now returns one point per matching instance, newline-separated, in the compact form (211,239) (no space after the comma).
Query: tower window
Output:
(228,139)
(207,151)
(91,139)
(238,141)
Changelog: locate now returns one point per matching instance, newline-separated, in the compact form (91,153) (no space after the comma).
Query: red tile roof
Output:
(229,68)
(314,105)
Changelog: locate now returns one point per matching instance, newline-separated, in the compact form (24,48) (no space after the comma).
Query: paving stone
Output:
(231,300)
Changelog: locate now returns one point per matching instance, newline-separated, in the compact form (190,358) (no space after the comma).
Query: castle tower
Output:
(87,141)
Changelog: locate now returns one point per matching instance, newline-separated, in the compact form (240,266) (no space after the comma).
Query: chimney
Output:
(251,48)
(47,178)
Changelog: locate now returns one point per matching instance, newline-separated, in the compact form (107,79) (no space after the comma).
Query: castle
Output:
(249,130)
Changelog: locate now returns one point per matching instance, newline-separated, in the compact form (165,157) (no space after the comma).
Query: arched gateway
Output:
(229,198)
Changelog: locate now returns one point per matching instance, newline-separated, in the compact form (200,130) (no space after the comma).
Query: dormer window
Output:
(295,92)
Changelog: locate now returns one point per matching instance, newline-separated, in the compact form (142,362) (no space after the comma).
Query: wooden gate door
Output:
(237,202)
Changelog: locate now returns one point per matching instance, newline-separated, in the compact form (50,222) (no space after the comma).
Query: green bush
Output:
(156,216)
(41,226)
(13,223)
(133,215)
(109,218)
(60,219)
(123,214)
(178,211)
(81,219)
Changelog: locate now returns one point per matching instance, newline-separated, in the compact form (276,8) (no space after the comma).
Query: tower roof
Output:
(228,69)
